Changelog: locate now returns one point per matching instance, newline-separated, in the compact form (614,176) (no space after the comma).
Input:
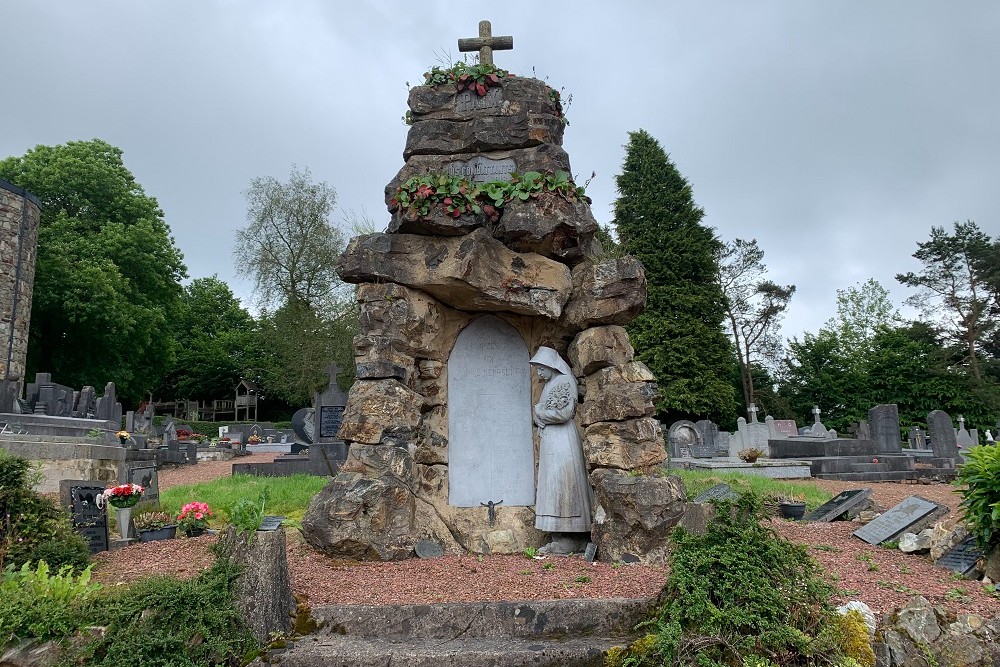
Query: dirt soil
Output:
(882,578)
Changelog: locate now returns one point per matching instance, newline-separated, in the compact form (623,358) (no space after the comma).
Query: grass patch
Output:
(696,481)
(287,496)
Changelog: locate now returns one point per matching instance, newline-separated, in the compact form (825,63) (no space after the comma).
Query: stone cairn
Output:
(537,266)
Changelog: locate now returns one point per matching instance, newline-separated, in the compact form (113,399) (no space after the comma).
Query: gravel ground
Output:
(882,578)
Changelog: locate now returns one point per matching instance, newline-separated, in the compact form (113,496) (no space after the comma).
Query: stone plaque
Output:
(80,496)
(144,474)
(467,100)
(786,427)
(590,554)
(717,492)
(330,417)
(481,169)
(491,451)
(900,519)
(270,523)
(840,505)
(962,557)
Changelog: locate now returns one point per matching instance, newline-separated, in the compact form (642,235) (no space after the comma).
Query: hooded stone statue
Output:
(563,501)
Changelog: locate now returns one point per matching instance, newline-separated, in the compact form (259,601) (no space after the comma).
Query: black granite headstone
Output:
(904,517)
(884,428)
(590,553)
(840,505)
(962,557)
(717,492)
(80,497)
(330,418)
(144,474)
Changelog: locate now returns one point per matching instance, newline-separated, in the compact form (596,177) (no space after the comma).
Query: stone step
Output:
(869,467)
(332,651)
(891,476)
(524,619)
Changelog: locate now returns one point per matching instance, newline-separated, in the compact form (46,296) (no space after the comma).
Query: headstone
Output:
(491,451)
(840,505)
(8,392)
(905,517)
(884,421)
(170,437)
(942,434)
(754,434)
(590,553)
(130,421)
(779,429)
(428,549)
(304,425)
(963,439)
(86,402)
(717,492)
(817,430)
(90,521)
(482,169)
(916,438)
(144,474)
(962,557)
(709,434)
(329,410)
(685,439)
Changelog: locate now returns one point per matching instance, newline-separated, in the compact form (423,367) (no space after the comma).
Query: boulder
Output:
(599,347)
(439,136)
(376,408)
(362,518)
(992,568)
(432,448)
(629,445)
(384,461)
(944,536)
(618,402)
(31,653)
(437,222)
(472,273)
(866,613)
(550,225)
(918,621)
(635,514)
(514,96)
(915,543)
(609,291)
(544,158)
(412,320)
(263,590)
(376,358)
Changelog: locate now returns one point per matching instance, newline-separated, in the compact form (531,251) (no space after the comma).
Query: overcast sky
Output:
(835,133)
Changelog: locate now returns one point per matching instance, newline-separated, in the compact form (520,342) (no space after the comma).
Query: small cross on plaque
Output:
(485,43)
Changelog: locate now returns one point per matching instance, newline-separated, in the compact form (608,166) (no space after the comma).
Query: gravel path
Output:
(882,578)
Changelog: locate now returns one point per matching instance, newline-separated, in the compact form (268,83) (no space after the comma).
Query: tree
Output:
(290,247)
(954,286)
(214,335)
(107,278)
(679,336)
(754,307)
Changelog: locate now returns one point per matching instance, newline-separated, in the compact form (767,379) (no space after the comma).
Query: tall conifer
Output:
(680,335)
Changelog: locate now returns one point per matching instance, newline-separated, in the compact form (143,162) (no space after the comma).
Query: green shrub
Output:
(34,603)
(160,622)
(981,495)
(33,527)
(741,592)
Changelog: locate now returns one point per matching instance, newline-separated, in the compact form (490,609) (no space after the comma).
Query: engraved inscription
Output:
(490,443)
(330,418)
(469,101)
(482,169)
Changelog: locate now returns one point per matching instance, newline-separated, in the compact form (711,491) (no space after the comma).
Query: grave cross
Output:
(816,411)
(485,43)
(752,411)
(961,422)
(491,512)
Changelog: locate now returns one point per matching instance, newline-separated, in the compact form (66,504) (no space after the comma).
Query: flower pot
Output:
(792,510)
(154,534)
(124,517)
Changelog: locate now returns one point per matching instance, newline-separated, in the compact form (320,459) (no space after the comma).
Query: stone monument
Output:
(20,216)
(451,298)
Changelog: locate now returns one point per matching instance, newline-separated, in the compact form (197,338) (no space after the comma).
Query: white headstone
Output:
(491,452)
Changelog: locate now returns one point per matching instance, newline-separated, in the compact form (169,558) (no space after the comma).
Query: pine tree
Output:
(680,335)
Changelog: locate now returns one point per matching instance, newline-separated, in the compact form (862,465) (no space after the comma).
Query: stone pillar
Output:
(20,212)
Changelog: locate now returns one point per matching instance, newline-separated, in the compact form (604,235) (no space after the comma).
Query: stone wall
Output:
(65,460)
(537,266)
(19,218)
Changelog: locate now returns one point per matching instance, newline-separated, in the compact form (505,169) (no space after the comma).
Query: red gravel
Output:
(882,578)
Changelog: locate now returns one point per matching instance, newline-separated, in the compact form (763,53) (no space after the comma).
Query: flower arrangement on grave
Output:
(121,496)
(194,517)
(254,439)
(123,436)
(153,521)
(478,78)
(750,454)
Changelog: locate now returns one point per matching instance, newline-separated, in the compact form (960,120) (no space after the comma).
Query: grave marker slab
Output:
(717,492)
(907,516)
(491,451)
(685,440)
(785,427)
(840,505)
(144,474)
(330,418)
(270,523)
(80,497)
(590,553)
(329,409)
(884,427)
(942,434)
(468,100)
(962,557)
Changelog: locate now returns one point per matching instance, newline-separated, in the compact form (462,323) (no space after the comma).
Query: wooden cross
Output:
(485,43)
